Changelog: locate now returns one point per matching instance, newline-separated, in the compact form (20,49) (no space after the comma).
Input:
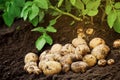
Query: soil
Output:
(17,41)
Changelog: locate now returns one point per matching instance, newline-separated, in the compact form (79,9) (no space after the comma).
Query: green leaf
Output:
(108,9)
(43,4)
(116,25)
(111,18)
(24,13)
(73,2)
(34,12)
(19,3)
(39,29)
(51,29)
(34,21)
(117,5)
(92,12)
(79,4)
(40,42)
(7,19)
(41,15)
(68,6)
(52,22)
(60,3)
(48,39)
(85,1)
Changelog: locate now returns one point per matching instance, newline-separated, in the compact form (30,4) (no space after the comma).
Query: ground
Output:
(17,41)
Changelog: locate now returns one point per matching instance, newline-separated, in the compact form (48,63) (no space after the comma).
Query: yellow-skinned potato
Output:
(30,57)
(65,67)
(102,62)
(56,48)
(43,54)
(90,60)
(51,68)
(110,61)
(100,51)
(95,42)
(79,66)
(76,57)
(78,41)
(66,59)
(57,56)
(116,43)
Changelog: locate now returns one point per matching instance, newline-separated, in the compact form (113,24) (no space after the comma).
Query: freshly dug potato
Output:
(31,67)
(78,41)
(79,66)
(116,43)
(95,42)
(30,57)
(65,68)
(100,51)
(43,54)
(110,61)
(56,48)
(67,49)
(76,57)
(51,68)
(82,49)
(90,31)
(90,60)
(57,56)
(102,62)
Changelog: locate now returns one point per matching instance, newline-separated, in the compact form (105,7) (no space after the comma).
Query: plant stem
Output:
(65,13)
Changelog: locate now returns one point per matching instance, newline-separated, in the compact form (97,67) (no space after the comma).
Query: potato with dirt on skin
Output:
(95,42)
(31,67)
(116,43)
(67,48)
(110,61)
(57,56)
(100,51)
(78,41)
(65,67)
(30,57)
(90,60)
(82,49)
(56,48)
(102,62)
(51,68)
(75,57)
(43,54)
(79,66)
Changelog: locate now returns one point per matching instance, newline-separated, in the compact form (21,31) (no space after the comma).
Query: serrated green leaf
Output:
(40,42)
(35,21)
(41,15)
(111,18)
(43,4)
(51,29)
(39,29)
(7,19)
(73,2)
(116,25)
(117,5)
(60,3)
(92,12)
(34,12)
(108,9)
(52,22)
(48,39)
(68,6)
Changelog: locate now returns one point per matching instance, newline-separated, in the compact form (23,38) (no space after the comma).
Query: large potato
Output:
(56,48)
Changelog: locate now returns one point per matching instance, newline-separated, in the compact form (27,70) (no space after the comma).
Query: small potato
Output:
(100,51)
(30,57)
(43,54)
(78,41)
(51,68)
(102,62)
(95,42)
(110,61)
(79,66)
(65,68)
(76,57)
(66,60)
(90,60)
(90,31)
(56,48)
(67,49)
(31,67)
(57,56)
(82,49)
(116,43)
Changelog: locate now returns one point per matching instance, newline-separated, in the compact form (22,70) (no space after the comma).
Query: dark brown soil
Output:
(16,42)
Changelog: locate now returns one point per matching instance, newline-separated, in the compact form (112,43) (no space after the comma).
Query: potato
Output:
(43,54)
(90,31)
(31,67)
(78,41)
(95,42)
(116,43)
(76,57)
(51,68)
(67,49)
(100,51)
(102,62)
(57,56)
(82,49)
(110,61)
(56,48)
(90,60)
(30,57)
(66,59)
(65,68)
(79,66)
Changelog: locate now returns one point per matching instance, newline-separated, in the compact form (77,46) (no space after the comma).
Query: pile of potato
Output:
(76,56)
